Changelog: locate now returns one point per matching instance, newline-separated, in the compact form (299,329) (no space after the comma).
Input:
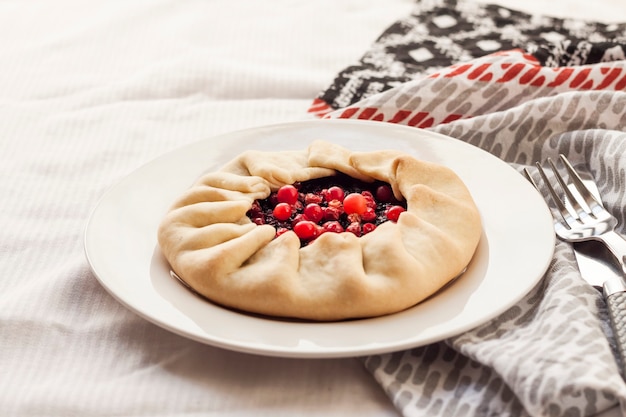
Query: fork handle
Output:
(615,293)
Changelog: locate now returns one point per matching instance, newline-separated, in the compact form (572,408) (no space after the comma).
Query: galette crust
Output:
(217,250)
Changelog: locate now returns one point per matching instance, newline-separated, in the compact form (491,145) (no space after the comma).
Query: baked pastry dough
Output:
(218,251)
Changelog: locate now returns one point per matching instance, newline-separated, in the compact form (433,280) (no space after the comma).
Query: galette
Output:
(323,233)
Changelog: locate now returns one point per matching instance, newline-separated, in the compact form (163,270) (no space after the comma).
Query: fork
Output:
(584,218)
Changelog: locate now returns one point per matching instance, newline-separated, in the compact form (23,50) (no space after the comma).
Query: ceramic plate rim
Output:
(123,210)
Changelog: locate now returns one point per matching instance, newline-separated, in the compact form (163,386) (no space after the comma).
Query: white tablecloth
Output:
(92,90)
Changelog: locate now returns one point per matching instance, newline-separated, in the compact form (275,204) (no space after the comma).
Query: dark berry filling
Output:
(330,204)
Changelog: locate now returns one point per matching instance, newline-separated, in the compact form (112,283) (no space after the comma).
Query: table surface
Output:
(93,90)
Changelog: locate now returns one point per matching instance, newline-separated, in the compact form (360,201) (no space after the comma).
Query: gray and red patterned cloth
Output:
(524,88)
(442,33)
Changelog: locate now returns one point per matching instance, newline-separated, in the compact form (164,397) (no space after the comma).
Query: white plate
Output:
(514,252)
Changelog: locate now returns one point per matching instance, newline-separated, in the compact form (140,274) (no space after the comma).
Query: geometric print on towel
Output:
(441,33)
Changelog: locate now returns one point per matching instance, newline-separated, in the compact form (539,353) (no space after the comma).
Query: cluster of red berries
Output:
(317,206)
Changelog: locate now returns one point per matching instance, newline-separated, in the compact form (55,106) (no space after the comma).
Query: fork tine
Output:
(530,178)
(582,189)
(573,201)
(565,214)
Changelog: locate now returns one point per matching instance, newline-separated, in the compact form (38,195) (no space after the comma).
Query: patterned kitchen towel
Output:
(440,33)
(553,86)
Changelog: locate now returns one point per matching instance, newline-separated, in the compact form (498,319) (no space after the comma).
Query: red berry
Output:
(314,212)
(368,227)
(354,228)
(258,220)
(313,198)
(305,230)
(369,215)
(281,230)
(297,205)
(331,213)
(369,201)
(333,226)
(384,194)
(256,208)
(354,203)
(287,194)
(334,193)
(393,213)
(298,218)
(282,211)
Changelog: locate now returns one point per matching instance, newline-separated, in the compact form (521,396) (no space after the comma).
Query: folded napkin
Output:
(523,88)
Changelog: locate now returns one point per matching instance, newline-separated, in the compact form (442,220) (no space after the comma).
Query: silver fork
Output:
(584,218)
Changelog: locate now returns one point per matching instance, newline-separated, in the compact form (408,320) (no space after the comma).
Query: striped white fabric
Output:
(89,91)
